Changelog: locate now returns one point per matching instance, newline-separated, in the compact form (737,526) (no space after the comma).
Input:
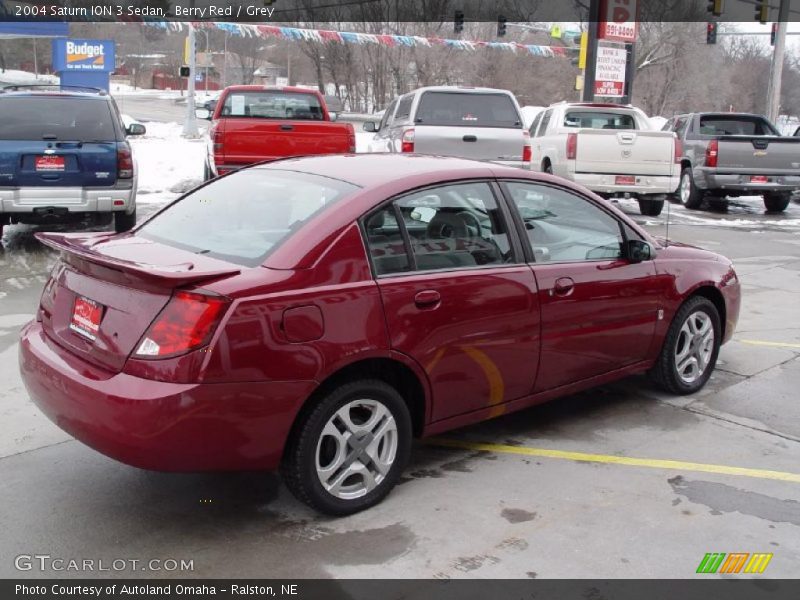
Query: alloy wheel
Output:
(694,347)
(356,449)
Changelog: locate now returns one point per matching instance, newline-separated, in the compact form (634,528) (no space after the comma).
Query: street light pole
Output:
(776,73)
(190,125)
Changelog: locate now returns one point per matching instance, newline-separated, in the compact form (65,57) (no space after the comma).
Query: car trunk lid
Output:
(482,143)
(106,291)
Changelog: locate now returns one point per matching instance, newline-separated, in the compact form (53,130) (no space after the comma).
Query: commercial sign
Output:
(610,72)
(83,55)
(617,21)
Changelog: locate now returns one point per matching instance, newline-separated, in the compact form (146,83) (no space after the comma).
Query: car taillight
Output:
(678,151)
(407,141)
(216,136)
(186,323)
(124,161)
(572,145)
(527,151)
(712,153)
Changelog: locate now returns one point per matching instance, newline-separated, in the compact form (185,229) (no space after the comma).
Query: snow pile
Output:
(168,163)
(657,122)
(12,77)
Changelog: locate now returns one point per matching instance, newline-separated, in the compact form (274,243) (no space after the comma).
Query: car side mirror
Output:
(370,126)
(135,129)
(333,116)
(637,251)
(203,113)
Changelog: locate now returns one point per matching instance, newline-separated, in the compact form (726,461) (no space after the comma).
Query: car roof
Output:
(52,94)
(271,88)
(369,170)
(460,88)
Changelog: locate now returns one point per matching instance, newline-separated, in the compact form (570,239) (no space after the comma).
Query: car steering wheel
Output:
(470,216)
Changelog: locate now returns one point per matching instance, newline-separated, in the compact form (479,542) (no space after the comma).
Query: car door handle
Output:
(427,299)
(287,127)
(562,287)
(470,138)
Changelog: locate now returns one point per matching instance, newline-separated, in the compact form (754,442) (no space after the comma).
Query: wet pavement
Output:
(501,504)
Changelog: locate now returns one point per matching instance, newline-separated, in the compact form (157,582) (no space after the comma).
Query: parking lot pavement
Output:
(641,484)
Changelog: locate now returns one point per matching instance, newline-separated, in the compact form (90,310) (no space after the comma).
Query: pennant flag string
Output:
(324,36)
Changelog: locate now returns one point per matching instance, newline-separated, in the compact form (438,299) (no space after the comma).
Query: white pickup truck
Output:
(610,149)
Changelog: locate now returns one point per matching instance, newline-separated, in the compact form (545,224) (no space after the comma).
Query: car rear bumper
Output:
(735,182)
(157,425)
(645,184)
(74,199)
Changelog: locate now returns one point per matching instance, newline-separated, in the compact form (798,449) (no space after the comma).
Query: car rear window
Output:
(56,118)
(460,109)
(599,120)
(273,105)
(728,125)
(243,217)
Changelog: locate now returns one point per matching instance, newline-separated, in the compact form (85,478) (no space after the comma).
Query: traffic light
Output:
(711,33)
(715,7)
(501,26)
(772,34)
(458,22)
(762,11)
(183,71)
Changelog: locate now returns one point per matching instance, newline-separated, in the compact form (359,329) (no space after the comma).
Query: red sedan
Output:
(316,314)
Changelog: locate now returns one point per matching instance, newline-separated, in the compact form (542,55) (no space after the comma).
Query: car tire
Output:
(547,167)
(777,202)
(650,208)
(123,221)
(687,344)
(688,194)
(319,451)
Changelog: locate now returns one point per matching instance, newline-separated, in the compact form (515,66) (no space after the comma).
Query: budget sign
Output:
(83,55)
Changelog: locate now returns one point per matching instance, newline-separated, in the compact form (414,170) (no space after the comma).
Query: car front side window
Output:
(564,227)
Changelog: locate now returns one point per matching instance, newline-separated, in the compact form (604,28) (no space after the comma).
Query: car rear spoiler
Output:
(79,246)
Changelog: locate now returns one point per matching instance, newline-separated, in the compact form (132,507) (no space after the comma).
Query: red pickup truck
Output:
(252,123)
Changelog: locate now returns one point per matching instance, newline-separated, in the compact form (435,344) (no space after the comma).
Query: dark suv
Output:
(64,157)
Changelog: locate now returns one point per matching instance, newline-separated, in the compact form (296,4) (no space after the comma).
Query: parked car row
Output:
(610,149)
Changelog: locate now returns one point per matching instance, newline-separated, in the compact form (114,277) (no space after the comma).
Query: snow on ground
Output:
(362,141)
(168,163)
(12,77)
(529,114)
(657,122)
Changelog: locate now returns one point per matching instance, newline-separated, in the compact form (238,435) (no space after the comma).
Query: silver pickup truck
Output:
(735,154)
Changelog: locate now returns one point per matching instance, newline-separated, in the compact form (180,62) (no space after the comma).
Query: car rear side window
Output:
(460,109)
(273,105)
(449,227)
(545,122)
(243,217)
(61,118)
(599,120)
(404,107)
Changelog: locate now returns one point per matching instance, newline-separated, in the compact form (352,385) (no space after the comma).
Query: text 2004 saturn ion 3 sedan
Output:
(315,314)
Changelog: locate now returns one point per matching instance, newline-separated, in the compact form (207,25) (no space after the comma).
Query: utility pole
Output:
(591,51)
(630,73)
(776,73)
(190,125)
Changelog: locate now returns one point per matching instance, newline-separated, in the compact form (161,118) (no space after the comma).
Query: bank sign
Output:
(83,55)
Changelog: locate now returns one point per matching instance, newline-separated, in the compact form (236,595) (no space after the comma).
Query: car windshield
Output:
(459,109)
(273,105)
(51,117)
(599,120)
(243,217)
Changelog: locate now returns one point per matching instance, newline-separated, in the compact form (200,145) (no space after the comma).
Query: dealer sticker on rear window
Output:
(86,315)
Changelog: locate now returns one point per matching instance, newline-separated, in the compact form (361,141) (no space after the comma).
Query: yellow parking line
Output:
(651,463)
(773,344)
